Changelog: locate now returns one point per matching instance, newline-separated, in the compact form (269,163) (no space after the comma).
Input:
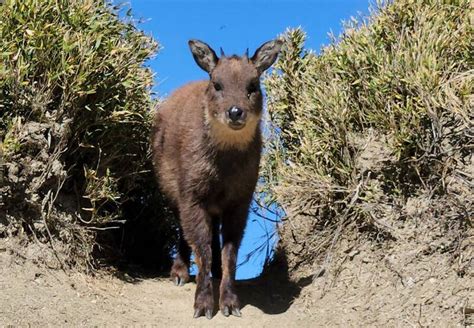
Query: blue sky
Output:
(233,25)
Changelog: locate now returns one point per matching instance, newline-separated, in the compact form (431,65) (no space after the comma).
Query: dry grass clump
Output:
(75,122)
(380,121)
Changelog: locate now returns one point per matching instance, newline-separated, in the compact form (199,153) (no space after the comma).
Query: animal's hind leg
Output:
(180,269)
(216,268)
(233,225)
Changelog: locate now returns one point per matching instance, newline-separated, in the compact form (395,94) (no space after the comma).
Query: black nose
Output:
(235,114)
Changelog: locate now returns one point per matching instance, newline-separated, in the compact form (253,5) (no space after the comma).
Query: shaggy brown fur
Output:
(207,145)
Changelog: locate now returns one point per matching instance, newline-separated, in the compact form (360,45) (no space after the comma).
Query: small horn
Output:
(222,52)
(246,55)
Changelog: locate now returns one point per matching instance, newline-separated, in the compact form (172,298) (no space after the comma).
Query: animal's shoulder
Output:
(187,93)
(185,99)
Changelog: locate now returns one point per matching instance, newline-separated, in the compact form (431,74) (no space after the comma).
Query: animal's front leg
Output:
(197,228)
(233,225)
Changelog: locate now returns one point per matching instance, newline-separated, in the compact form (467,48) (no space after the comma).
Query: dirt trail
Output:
(34,295)
(373,289)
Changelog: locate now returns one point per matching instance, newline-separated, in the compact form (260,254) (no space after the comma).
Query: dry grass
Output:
(75,121)
(381,120)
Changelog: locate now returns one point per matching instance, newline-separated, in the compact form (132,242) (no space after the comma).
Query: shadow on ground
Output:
(272,292)
(272,296)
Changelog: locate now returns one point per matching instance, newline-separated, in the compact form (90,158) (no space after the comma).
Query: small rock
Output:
(410,282)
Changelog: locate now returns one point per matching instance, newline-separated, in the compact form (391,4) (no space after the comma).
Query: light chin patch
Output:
(227,138)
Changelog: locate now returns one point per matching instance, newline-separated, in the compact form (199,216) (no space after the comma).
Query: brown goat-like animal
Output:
(207,145)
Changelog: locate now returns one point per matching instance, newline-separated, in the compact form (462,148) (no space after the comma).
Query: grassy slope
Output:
(372,150)
(75,122)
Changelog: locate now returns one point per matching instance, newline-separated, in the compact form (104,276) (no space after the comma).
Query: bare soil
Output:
(369,290)
(34,294)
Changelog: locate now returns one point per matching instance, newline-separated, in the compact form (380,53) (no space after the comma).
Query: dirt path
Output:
(32,294)
(372,290)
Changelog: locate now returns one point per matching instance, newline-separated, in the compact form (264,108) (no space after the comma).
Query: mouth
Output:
(237,125)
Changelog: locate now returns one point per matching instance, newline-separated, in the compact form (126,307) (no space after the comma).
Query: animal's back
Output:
(178,122)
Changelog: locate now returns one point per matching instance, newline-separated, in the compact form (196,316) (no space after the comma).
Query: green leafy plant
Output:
(75,116)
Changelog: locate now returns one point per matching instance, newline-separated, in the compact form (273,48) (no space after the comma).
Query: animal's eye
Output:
(252,88)
(217,86)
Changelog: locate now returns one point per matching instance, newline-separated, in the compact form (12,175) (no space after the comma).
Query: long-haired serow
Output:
(206,151)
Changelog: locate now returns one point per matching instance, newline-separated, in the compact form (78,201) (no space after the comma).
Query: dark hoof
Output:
(225,311)
(209,314)
(235,311)
(179,273)
(199,312)
(204,300)
(179,281)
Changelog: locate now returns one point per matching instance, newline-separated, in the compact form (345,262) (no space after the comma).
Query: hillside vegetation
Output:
(371,157)
(75,124)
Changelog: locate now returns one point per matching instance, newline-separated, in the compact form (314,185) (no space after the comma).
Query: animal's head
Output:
(234,97)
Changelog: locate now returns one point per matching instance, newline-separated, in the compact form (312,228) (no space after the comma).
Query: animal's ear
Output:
(204,56)
(266,55)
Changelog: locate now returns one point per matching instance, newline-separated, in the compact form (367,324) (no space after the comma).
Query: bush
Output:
(75,122)
(383,117)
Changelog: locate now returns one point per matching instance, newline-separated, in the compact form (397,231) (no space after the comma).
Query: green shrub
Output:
(383,114)
(75,118)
